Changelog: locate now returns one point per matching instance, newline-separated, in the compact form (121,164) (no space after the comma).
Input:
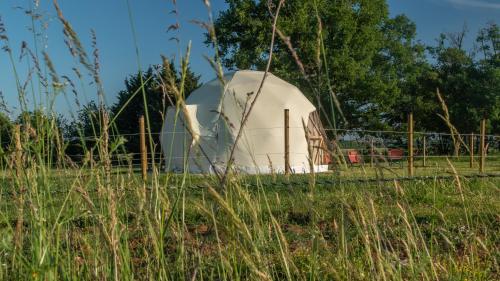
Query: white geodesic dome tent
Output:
(215,112)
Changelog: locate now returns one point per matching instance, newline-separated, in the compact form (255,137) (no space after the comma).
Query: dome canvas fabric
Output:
(215,114)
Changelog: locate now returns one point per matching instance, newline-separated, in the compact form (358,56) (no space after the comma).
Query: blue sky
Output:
(152,18)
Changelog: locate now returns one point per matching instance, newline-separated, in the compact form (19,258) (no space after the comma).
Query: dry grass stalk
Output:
(92,208)
(310,152)
(321,52)
(336,152)
(216,62)
(169,84)
(295,56)
(18,163)
(4,37)
(460,189)
(115,240)
(179,98)
(72,40)
(41,77)
(300,65)
(243,238)
(271,168)
(52,71)
(455,135)
(105,146)
(59,146)
(113,219)
(246,114)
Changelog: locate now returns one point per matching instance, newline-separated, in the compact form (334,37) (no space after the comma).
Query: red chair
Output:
(395,155)
(354,157)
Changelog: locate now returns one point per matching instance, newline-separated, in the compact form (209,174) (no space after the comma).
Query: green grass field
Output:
(82,225)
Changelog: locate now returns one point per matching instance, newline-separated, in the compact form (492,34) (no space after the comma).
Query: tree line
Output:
(353,52)
(82,133)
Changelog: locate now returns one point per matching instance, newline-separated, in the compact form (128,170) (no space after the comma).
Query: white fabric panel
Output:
(218,112)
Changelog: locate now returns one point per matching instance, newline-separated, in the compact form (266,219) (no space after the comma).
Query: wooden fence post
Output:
(287,142)
(91,159)
(410,144)
(19,194)
(143,149)
(482,151)
(424,160)
(471,150)
(371,152)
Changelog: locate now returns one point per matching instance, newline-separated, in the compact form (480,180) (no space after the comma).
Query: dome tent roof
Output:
(216,111)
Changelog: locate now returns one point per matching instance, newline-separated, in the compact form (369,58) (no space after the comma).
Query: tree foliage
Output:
(127,109)
(130,103)
(371,61)
(468,80)
(5,132)
(352,46)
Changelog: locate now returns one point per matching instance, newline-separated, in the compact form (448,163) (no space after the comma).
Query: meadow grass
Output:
(61,221)
(184,229)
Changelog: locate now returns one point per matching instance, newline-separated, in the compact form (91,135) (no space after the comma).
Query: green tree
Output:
(488,40)
(470,86)
(352,46)
(88,124)
(130,105)
(5,136)
(81,134)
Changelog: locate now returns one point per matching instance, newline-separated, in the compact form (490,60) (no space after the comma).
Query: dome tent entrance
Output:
(215,113)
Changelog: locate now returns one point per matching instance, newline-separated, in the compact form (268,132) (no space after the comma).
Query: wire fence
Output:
(370,145)
(355,137)
(338,131)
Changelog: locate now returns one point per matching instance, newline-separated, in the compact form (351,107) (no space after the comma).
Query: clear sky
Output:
(110,20)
